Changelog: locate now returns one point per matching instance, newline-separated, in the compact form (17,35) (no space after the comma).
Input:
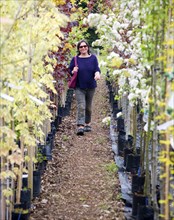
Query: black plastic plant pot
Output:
(120,124)
(25,180)
(48,151)
(60,111)
(59,119)
(145,213)
(109,87)
(42,166)
(20,216)
(121,143)
(115,105)
(138,183)
(122,134)
(115,111)
(132,163)
(36,183)
(130,140)
(111,96)
(26,198)
(56,124)
(53,128)
(20,212)
(126,151)
(24,203)
(50,139)
(158,194)
(138,199)
(64,111)
(138,150)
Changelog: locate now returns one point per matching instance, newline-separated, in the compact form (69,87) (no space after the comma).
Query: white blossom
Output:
(135,14)
(132,96)
(121,47)
(116,72)
(112,55)
(107,120)
(122,81)
(133,83)
(116,25)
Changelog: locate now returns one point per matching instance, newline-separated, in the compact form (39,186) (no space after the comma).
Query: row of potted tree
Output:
(34,96)
(136,38)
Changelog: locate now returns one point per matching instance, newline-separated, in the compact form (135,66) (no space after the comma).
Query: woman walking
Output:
(88,73)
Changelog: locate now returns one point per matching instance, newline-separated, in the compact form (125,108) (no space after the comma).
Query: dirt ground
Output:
(80,182)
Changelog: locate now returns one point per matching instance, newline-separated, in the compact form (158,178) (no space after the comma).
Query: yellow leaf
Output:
(67,46)
(24,170)
(34,160)
(161,58)
(168,70)
(160,117)
(116,62)
(172,186)
(59,2)
(7,174)
(163,176)
(16,170)
(4,152)
(162,201)
(170,197)
(27,158)
(171,24)
(126,73)
(165,142)
(8,202)
(162,160)
(170,42)
(172,86)
(132,61)
(161,215)
(151,101)
(161,104)
(7,192)
(15,158)
(73,1)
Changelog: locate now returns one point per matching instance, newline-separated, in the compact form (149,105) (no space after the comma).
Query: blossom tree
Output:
(132,36)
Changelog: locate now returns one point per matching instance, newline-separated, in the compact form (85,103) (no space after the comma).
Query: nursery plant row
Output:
(22,200)
(142,186)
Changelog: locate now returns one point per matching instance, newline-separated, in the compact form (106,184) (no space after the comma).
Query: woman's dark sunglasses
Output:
(83,46)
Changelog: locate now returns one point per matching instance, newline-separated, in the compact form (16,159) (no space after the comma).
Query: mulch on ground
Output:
(79,183)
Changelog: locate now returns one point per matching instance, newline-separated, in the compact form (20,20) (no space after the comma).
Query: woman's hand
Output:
(97,76)
(75,69)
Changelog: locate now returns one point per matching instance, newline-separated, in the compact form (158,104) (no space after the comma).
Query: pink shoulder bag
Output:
(73,80)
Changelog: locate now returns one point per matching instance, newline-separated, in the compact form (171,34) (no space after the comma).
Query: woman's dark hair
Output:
(78,45)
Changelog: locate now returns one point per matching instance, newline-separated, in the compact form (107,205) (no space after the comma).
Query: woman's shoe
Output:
(87,128)
(80,131)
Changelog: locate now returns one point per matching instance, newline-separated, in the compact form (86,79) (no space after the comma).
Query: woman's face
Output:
(83,48)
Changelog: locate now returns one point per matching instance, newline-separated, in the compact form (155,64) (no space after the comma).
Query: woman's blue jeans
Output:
(84,99)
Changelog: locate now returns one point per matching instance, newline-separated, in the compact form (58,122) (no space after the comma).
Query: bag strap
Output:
(75,60)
